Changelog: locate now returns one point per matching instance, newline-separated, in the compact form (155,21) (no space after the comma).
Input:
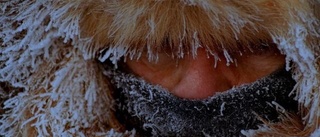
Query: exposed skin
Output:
(202,76)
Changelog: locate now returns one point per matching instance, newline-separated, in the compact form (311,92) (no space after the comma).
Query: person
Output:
(159,68)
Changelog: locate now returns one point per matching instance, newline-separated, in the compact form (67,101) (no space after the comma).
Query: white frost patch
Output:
(64,96)
(114,54)
(114,133)
(316,133)
(222,108)
(298,50)
(278,107)
(216,59)
(227,57)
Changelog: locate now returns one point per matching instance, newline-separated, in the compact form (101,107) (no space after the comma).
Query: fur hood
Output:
(51,50)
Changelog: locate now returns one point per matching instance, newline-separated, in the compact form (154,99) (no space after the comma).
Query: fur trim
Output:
(49,49)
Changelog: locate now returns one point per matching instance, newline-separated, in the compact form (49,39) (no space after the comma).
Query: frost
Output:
(42,52)
(224,114)
(38,34)
(316,133)
(114,54)
(228,57)
(222,108)
(114,133)
(297,50)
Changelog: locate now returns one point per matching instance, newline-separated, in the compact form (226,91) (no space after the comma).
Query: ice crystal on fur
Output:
(40,36)
(49,49)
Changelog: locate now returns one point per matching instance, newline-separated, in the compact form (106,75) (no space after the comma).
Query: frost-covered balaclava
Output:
(152,110)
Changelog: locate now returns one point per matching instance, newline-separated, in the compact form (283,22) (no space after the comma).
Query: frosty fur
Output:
(49,48)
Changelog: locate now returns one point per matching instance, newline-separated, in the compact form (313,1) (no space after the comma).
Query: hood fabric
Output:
(53,50)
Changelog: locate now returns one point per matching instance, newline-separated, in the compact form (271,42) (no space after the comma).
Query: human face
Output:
(204,75)
(153,110)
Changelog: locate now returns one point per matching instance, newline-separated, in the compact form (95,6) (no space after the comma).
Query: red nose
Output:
(202,77)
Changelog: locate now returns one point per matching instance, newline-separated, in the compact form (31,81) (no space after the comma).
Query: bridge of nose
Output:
(202,77)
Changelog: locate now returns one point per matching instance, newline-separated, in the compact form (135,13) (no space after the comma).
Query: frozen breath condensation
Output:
(154,111)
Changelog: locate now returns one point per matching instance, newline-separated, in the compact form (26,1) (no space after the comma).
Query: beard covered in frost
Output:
(153,111)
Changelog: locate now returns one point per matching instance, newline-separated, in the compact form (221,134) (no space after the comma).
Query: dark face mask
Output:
(152,111)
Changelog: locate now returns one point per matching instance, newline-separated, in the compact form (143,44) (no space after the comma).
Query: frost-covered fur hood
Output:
(51,48)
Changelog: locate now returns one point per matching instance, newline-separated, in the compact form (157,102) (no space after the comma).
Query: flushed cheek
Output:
(200,77)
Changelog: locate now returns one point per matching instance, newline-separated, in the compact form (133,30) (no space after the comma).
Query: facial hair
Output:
(153,111)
